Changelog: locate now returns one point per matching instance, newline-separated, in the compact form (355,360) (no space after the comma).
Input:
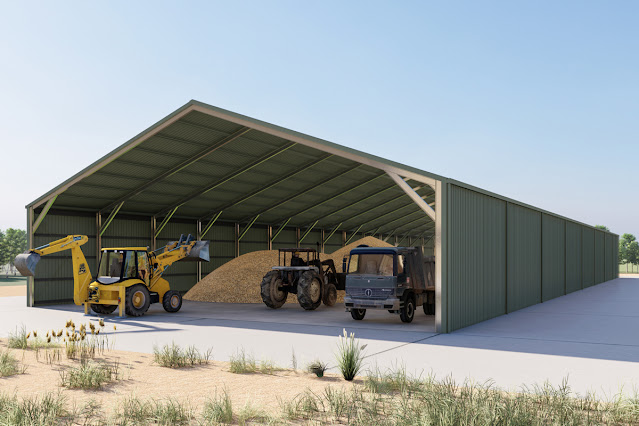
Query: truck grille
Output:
(371,293)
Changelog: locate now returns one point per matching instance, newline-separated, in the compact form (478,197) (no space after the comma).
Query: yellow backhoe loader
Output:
(129,278)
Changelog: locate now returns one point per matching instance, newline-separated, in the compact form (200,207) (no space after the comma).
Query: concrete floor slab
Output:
(589,336)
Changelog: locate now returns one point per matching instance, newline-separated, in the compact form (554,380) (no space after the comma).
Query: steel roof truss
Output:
(211,223)
(272,184)
(110,218)
(182,165)
(339,194)
(247,228)
(280,229)
(308,188)
(331,233)
(413,195)
(308,231)
(348,240)
(165,221)
(230,176)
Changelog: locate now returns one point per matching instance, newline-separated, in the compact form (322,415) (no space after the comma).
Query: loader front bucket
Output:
(26,263)
(200,251)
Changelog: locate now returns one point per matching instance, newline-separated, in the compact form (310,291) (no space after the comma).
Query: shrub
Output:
(219,410)
(90,375)
(317,367)
(9,364)
(350,355)
(174,356)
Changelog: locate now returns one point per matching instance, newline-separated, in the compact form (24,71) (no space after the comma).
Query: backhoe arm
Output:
(26,263)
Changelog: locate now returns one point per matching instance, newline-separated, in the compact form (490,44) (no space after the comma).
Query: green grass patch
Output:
(90,375)
(47,409)
(173,356)
(12,281)
(159,412)
(241,363)
(9,365)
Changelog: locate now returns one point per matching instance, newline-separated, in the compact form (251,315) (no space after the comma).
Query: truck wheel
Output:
(269,289)
(103,309)
(309,290)
(429,309)
(358,314)
(172,301)
(330,295)
(407,310)
(137,300)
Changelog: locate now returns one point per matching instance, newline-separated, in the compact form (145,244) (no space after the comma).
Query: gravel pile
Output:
(238,280)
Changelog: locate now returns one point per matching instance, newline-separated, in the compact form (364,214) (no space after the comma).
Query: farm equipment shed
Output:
(248,185)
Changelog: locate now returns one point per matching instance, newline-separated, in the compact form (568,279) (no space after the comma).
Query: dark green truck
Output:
(397,279)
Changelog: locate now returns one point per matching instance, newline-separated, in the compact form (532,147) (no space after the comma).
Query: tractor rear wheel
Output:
(137,300)
(309,290)
(330,295)
(272,296)
(172,301)
(103,309)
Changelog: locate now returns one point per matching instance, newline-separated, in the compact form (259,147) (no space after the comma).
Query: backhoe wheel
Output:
(358,314)
(103,309)
(137,300)
(272,296)
(172,301)
(330,295)
(407,310)
(309,290)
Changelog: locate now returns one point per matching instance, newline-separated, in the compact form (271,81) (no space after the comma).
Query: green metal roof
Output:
(204,160)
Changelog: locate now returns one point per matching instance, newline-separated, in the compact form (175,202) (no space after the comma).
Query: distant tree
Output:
(602,227)
(625,249)
(4,259)
(15,242)
(633,253)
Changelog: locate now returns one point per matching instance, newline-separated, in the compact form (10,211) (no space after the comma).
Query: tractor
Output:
(312,280)
(129,278)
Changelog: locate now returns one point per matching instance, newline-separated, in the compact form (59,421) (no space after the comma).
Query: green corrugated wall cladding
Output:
(477,282)
(573,257)
(54,273)
(524,257)
(256,238)
(221,239)
(600,257)
(285,239)
(588,256)
(553,260)
(127,232)
(610,266)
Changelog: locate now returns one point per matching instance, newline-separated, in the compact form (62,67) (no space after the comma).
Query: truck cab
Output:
(390,278)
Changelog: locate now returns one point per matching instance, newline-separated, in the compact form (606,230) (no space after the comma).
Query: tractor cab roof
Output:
(299,249)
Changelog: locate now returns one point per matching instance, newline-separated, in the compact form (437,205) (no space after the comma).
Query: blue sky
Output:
(535,100)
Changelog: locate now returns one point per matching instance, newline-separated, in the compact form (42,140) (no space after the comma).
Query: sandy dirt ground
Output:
(13,290)
(144,379)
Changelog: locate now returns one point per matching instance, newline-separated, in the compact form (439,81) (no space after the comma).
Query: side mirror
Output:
(344,260)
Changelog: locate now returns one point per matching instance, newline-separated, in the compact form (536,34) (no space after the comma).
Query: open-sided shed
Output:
(248,185)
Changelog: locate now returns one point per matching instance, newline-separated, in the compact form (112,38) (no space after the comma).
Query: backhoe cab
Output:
(129,278)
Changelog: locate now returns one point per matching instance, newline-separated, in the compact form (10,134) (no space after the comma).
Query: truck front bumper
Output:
(391,304)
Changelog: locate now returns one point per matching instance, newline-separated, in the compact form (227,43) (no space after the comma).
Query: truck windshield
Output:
(371,264)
